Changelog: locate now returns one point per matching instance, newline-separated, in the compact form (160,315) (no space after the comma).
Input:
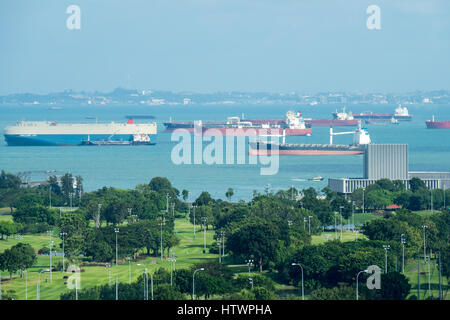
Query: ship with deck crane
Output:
(361,138)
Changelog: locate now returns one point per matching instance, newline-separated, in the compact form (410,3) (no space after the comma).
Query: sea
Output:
(127,166)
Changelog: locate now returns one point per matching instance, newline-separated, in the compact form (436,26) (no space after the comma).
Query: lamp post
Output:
(364,189)
(402,241)
(26,284)
(63,234)
(249,264)
(429,275)
(303,288)
(97,220)
(424,247)
(335,226)
(50,254)
(116,230)
(172,262)
(129,213)
(222,235)
(304,224)
(194,220)
(386,247)
(193,281)
(431,199)
(129,270)
(167,202)
(309,224)
(353,216)
(108,265)
(161,240)
(204,234)
(340,213)
(50,195)
(366,271)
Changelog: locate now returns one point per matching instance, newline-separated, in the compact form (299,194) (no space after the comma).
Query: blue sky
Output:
(220,45)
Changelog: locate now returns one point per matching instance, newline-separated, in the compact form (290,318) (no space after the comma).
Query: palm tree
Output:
(229,194)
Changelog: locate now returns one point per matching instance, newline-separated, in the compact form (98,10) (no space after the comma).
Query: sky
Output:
(224,45)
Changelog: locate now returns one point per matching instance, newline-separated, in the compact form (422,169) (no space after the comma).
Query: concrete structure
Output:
(388,161)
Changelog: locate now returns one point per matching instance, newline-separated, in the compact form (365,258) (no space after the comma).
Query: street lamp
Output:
(386,248)
(172,263)
(193,281)
(249,264)
(108,265)
(353,216)
(116,230)
(194,220)
(304,224)
(366,271)
(402,241)
(222,235)
(340,213)
(129,212)
(303,288)
(26,284)
(129,270)
(204,234)
(309,224)
(50,253)
(335,226)
(424,250)
(161,225)
(364,189)
(167,202)
(97,220)
(62,235)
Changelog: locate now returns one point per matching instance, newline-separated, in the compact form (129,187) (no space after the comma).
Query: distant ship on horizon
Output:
(401,113)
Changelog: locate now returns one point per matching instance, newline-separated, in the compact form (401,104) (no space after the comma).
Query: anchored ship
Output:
(46,133)
(360,139)
(341,119)
(401,113)
(432,124)
(293,125)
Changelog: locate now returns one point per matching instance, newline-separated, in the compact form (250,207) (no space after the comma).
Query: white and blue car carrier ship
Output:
(47,133)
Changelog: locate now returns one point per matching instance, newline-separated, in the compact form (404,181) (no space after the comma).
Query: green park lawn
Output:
(188,252)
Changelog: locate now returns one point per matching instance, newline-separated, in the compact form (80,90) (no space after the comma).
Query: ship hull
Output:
(63,139)
(377,116)
(332,123)
(437,124)
(282,152)
(250,132)
(267,148)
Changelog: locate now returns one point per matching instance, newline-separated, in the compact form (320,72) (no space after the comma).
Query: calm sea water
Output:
(125,167)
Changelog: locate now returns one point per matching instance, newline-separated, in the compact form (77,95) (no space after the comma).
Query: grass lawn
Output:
(411,271)
(347,235)
(188,252)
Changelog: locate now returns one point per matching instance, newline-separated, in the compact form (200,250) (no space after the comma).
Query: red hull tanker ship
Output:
(432,124)
(293,125)
(268,126)
(360,140)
